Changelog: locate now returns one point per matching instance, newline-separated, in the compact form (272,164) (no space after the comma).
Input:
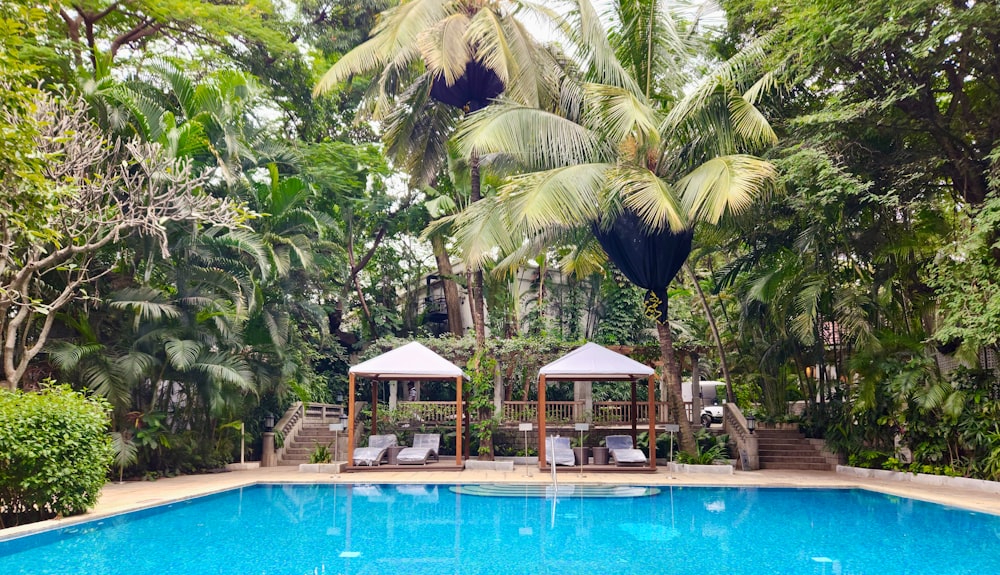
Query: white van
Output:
(713,394)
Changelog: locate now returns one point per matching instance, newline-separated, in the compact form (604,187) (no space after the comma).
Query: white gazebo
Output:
(592,362)
(411,361)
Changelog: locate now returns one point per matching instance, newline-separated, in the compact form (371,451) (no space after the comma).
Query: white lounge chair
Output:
(622,452)
(425,447)
(375,452)
(558,451)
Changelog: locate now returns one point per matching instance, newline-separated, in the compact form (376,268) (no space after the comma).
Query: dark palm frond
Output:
(225,369)
(149,304)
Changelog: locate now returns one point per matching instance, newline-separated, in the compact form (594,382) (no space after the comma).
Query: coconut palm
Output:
(436,60)
(635,138)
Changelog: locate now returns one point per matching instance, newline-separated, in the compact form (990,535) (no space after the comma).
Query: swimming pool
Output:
(428,529)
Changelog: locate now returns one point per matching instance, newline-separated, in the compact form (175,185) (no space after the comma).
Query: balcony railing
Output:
(435,309)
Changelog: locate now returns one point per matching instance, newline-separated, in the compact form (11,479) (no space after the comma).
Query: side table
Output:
(393,452)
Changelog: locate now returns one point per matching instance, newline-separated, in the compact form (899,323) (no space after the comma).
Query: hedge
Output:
(55,454)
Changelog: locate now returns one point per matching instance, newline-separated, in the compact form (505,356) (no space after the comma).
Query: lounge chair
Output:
(558,451)
(622,452)
(375,452)
(425,447)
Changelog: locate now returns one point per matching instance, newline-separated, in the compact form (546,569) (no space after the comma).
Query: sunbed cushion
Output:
(561,453)
(425,446)
(621,450)
(372,455)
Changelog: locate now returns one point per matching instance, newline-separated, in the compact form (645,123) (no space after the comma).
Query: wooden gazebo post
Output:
(651,398)
(350,420)
(541,421)
(458,421)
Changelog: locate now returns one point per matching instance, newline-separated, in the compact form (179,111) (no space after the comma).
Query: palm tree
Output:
(436,60)
(631,143)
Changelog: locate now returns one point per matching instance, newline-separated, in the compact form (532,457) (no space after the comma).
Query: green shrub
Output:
(320,454)
(55,454)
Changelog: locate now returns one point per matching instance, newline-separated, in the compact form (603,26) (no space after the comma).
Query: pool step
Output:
(562,491)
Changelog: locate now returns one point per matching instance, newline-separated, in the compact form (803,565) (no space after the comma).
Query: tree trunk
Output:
(672,383)
(476,304)
(730,395)
(452,303)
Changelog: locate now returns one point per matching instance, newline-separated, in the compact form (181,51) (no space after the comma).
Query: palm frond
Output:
(649,197)
(564,196)
(226,370)
(149,304)
(125,451)
(481,231)
(724,78)
(103,378)
(67,355)
(394,38)
(135,365)
(182,353)
(807,301)
(444,49)
(620,114)
(536,138)
(591,39)
(749,123)
(724,184)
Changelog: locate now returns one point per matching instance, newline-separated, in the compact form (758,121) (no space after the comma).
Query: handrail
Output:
(746,443)
(289,426)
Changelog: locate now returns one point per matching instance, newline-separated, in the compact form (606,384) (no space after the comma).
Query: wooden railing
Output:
(555,411)
(432,412)
(606,412)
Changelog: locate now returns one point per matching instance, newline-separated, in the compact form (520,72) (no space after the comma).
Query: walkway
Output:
(118,498)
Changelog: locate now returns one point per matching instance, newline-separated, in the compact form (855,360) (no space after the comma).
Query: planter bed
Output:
(922,478)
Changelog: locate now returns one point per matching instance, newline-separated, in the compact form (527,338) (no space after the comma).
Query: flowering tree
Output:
(99,191)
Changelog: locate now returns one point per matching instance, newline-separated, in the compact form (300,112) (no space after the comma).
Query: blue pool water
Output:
(399,530)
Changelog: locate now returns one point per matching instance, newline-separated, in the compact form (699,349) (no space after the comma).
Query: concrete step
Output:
(781,441)
(792,459)
(292,451)
(778,432)
(311,440)
(787,452)
(799,466)
(316,431)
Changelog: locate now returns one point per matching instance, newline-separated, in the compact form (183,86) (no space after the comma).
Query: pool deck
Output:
(122,497)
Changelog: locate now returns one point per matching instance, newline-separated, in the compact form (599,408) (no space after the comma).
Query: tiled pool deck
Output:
(118,498)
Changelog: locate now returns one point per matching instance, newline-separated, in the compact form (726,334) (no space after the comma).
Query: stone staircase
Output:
(311,435)
(311,428)
(789,449)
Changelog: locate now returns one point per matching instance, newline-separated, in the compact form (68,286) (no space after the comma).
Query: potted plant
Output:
(600,454)
(581,453)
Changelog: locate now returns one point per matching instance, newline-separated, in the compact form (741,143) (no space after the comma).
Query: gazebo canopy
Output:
(411,361)
(594,362)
